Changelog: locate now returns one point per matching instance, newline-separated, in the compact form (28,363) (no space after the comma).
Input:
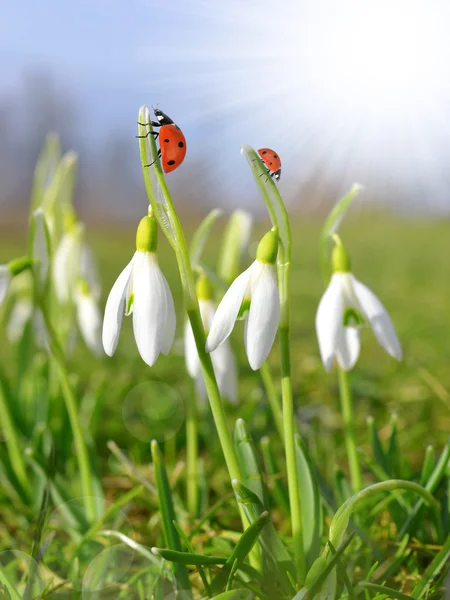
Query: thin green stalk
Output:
(272,397)
(192,454)
(280,219)
(349,430)
(74,418)
(214,395)
(12,444)
(168,218)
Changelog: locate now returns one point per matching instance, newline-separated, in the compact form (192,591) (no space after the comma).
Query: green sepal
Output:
(267,250)
(147,235)
(17,265)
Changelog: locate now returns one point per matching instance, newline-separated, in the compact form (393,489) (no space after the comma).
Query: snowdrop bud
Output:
(147,235)
(268,248)
(204,289)
(340,260)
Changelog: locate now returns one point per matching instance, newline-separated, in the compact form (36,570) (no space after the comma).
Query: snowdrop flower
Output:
(5,280)
(345,307)
(89,317)
(253,295)
(222,358)
(67,261)
(142,289)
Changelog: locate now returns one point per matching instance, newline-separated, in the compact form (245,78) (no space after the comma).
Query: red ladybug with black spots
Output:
(272,162)
(172,143)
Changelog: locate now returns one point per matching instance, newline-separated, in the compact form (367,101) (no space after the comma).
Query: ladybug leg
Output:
(155,133)
(153,161)
(154,124)
(267,179)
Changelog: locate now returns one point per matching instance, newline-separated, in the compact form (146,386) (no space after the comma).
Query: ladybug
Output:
(272,162)
(172,143)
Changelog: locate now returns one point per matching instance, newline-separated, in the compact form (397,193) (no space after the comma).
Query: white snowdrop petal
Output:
(89,271)
(379,319)
(171,320)
(66,267)
(329,320)
(150,306)
(226,371)
(348,347)
(227,311)
(89,321)
(20,315)
(207,312)
(41,250)
(190,351)
(263,319)
(114,310)
(5,280)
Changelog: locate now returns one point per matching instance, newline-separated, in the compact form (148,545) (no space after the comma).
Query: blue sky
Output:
(342,93)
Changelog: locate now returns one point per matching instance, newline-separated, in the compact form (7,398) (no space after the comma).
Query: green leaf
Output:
(273,551)
(275,484)
(332,224)
(188,558)
(311,505)
(431,485)
(166,508)
(201,236)
(248,462)
(429,463)
(381,589)
(377,448)
(241,594)
(240,551)
(439,562)
(318,575)
(234,244)
(341,518)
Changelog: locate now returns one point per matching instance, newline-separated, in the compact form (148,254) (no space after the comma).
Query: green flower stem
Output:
(272,397)
(192,453)
(214,396)
(74,418)
(12,445)
(280,219)
(349,430)
(164,210)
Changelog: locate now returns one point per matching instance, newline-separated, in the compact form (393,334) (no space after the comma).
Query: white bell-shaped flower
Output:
(67,263)
(5,280)
(89,317)
(345,307)
(253,295)
(222,358)
(142,289)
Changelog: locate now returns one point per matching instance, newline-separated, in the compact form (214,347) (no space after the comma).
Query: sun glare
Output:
(348,91)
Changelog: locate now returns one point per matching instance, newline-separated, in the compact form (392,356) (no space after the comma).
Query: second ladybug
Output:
(172,143)
(272,162)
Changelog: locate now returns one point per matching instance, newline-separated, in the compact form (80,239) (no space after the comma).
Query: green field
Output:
(120,399)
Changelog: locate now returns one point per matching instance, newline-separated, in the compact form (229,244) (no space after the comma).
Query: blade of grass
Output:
(312,517)
(433,570)
(166,508)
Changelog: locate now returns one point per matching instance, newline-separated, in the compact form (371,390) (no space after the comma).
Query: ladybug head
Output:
(163,119)
(277,174)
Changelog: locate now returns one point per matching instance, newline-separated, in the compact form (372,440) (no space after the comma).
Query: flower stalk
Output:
(280,219)
(165,212)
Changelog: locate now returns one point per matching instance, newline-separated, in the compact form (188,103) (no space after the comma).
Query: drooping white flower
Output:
(345,307)
(5,280)
(89,317)
(21,313)
(222,358)
(67,263)
(40,246)
(253,295)
(142,289)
